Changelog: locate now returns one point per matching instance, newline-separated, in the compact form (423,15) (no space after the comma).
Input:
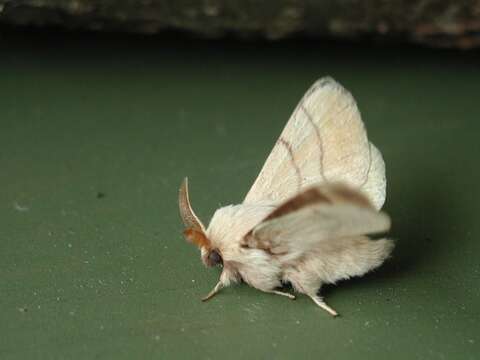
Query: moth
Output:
(308,216)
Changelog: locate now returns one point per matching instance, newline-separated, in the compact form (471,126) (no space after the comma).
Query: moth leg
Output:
(290,296)
(319,301)
(215,290)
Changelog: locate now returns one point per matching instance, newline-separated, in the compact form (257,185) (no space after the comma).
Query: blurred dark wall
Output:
(441,23)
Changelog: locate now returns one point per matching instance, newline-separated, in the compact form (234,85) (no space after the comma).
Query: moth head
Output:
(195,231)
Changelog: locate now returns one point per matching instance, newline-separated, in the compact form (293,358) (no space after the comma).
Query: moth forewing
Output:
(316,215)
(323,141)
(376,183)
(323,222)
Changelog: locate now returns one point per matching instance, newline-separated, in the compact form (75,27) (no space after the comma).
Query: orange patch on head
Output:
(197,237)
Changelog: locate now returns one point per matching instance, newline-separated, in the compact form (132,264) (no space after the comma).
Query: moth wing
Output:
(316,217)
(376,184)
(323,141)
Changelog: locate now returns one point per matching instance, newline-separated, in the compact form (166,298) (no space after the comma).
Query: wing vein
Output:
(318,136)
(291,155)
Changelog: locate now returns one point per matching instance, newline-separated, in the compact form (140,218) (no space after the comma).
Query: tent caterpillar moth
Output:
(306,218)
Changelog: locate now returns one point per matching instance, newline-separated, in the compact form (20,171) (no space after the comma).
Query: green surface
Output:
(96,136)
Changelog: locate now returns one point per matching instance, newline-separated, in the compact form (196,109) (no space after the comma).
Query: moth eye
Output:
(214,258)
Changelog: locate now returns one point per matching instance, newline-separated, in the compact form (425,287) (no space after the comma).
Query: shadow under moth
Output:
(307,217)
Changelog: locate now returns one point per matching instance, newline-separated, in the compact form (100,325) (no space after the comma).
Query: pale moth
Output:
(306,218)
